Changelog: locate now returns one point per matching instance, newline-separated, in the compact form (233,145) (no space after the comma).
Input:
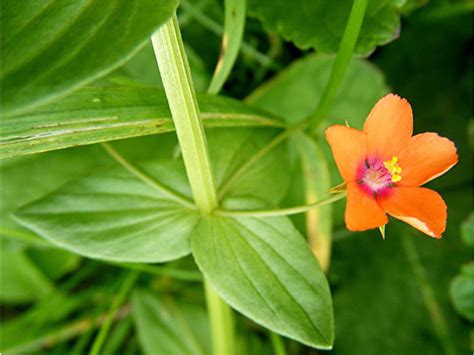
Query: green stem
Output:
(346,48)
(280,211)
(175,74)
(222,322)
(176,77)
(176,196)
(119,299)
(277,344)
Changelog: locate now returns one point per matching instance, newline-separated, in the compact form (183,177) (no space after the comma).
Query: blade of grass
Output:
(63,333)
(231,41)
(124,290)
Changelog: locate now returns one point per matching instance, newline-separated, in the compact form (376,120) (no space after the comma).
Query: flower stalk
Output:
(280,211)
(179,89)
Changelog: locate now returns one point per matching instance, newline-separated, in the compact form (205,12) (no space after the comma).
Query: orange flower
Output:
(383,167)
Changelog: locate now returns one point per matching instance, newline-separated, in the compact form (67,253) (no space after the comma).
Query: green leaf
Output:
(230,151)
(112,215)
(167,327)
(270,275)
(99,114)
(25,179)
(295,92)
(467,231)
(51,48)
(462,292)
(319,24)
(21,280)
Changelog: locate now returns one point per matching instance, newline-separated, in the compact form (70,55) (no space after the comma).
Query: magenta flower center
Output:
(376,176)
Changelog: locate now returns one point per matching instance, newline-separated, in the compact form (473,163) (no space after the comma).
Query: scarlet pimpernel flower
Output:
(384,166)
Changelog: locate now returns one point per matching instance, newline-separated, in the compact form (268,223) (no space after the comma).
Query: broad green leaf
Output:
(21,280)
(117,216)
(462,292)
(98,114)
(25,179)
(28,178)
(168,327)
(319,24)
(51,48)
(295,92)
(388,302)
(263,268)
(113,215)
(231,150)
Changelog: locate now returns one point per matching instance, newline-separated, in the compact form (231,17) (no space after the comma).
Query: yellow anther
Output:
(396,178)
(393,168)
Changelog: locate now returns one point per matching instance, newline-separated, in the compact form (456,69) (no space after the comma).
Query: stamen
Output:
(393,168)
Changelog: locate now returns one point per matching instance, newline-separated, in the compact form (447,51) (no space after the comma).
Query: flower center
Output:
(376,176)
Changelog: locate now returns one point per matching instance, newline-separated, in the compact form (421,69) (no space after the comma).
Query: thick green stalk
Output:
(221,321)
(176,77)
(343,58)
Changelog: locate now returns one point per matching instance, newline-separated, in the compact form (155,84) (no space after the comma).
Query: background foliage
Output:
(406,294)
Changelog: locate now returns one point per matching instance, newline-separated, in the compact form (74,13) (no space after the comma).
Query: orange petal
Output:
(420,207)
(389,126)
(426,157)
(349,147)
(362,210)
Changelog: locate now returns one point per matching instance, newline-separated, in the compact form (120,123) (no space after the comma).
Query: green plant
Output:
(118,180)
